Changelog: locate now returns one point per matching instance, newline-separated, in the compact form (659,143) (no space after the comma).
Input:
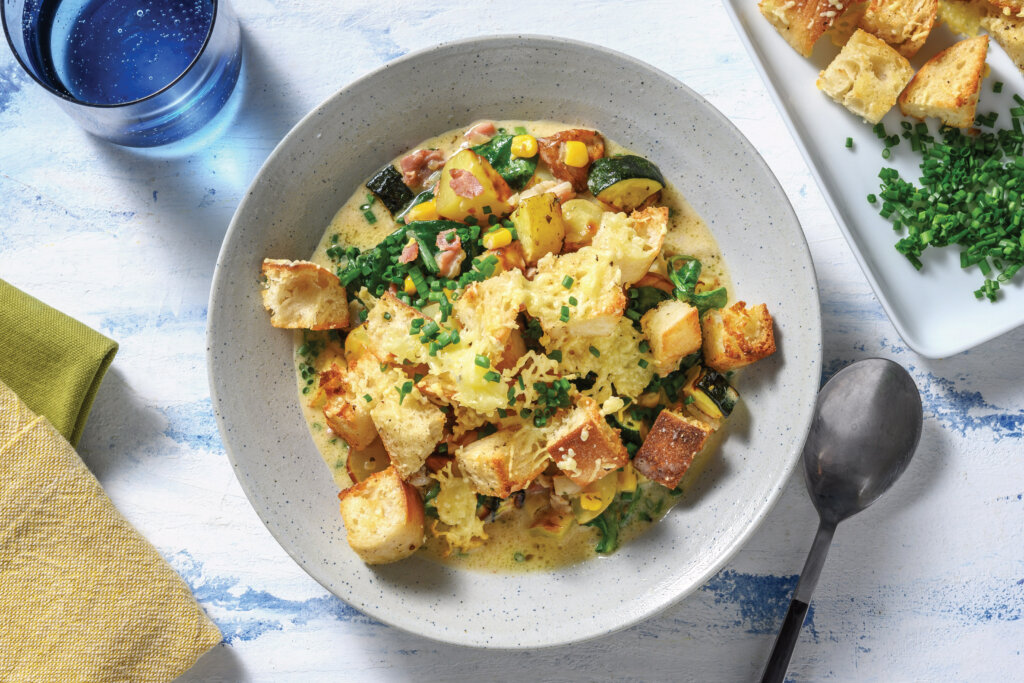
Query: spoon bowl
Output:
(865,430)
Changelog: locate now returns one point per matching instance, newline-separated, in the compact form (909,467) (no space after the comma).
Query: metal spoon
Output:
(865,430)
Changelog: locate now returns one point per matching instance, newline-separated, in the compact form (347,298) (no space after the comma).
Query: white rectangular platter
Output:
(934,310)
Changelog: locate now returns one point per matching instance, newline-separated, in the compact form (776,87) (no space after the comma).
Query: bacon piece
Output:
(417,166)
(449,261)
(449,239)
(410,253)
(481,132)
(465,184)
(552,154)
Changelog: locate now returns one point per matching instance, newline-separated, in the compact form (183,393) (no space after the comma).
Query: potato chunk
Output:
(538,221)
(670,447)
(737,336)
(302,295)
(468,184)
(673,330)
(383,518)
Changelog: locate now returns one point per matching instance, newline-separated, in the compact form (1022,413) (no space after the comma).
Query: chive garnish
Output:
(492,376)
(567,282)
(482,361)
(564,315)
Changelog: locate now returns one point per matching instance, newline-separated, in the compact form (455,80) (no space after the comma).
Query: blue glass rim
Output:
(67,97)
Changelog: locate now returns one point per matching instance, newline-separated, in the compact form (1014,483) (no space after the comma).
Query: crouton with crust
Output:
(866,76)
(302,295)
(1009,33)
(503,462)
(346,411)
(802,22)
(673,330)
(904,24)
(737,336)
(670,447)
(383,518)
(409,425)
(584,446)
(948,85)
(594,283)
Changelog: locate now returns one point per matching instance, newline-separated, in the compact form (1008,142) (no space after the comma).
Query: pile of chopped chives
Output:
(971,194)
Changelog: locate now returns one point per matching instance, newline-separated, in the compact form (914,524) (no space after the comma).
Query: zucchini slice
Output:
(624,182)
(392,192)
(721,393)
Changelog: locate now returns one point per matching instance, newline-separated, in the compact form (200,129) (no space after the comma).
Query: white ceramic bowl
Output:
(341,143)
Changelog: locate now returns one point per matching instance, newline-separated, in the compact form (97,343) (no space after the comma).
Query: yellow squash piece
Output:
(595,498)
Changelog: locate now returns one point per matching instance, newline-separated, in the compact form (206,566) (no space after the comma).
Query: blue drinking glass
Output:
(136,72)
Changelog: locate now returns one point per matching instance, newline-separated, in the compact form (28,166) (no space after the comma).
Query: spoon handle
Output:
(782,652)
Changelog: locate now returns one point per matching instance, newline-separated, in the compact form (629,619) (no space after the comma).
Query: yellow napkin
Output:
(83,596)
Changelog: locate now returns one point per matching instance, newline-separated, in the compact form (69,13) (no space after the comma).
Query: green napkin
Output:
(52,362)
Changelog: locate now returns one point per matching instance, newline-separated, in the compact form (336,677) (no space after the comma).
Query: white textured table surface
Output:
(926,585)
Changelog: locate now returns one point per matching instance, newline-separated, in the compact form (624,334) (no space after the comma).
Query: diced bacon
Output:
(449,239)
(481,132)
(464,184)
(410,253)
(449,261)
(417,166)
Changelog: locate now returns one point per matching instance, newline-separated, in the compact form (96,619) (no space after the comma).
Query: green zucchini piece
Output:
(515,170)
(719,391)
(392,192)
(624,182)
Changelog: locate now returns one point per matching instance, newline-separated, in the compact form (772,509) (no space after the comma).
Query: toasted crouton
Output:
(737,336)
(584,446)
(866,76)
(302,295)
(673,330)
(383,518)
(1009,33)
(1008,8)
(670,446)
(634,241)
(491,309)
(948,85)
(409,425)
(503,462)
(802,22)
(346,411)
(904,24)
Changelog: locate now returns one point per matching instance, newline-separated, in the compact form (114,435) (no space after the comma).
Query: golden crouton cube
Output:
(302,295)
(634,241)
(347,415)
(585,447)
(594,283)
(802,22)
(670,447)
(737,336)
(409,425)
(383,517)
(501,463)
(948,85)
(866,76)
(1009,33)
(673,330)
(904,24)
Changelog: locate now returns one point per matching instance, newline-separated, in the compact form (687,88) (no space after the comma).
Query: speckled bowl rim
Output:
(802,411)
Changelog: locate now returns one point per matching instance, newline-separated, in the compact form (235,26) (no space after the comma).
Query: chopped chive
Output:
(849,142)
(642,363)
(403,391)
(492,376)
(564,315)
(573,301)
(487,209)
(688,400)
(594,352)
(556,356)
(519,130)
(886,153)
(567,282)
(482,361)
(369,216)
(872,199)
(367,398)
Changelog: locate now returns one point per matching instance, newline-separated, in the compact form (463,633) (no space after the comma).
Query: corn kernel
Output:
(424,211)
(501,237)
(409,286)
(576,154)
(524,146)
